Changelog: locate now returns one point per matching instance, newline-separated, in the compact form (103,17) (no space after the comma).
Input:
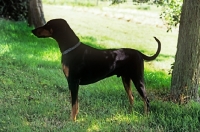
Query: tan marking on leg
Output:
(128,91)
(65,70)
(74,111)
(131,98)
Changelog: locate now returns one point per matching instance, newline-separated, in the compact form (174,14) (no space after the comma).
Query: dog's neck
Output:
(70,49)
(66,43)
(65,37)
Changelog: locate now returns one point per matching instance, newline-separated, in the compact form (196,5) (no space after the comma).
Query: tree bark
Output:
(35,13)
(185,75)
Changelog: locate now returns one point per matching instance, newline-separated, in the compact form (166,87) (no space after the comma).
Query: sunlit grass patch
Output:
(4,49)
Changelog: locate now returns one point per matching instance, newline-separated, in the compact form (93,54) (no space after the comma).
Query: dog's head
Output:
(51,28)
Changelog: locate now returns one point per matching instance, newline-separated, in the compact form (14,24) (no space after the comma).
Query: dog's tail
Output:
(150,58)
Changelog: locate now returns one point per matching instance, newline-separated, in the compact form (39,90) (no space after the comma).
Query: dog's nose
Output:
(35,32)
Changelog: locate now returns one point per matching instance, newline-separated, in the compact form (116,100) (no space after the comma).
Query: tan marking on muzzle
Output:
(44,32)
(65,70)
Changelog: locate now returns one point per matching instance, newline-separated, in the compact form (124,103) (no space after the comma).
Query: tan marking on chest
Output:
(65,70)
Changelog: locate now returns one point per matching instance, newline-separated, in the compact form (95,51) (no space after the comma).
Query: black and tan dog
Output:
(83,64)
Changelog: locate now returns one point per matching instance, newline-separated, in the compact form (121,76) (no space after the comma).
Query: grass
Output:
(34,94)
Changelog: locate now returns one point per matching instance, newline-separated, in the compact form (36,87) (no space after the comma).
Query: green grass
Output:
(34,94)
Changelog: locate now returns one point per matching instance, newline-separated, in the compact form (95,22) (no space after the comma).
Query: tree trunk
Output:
(35,13)
(185,75)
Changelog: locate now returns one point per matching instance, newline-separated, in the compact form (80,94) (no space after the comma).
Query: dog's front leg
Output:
(74,86)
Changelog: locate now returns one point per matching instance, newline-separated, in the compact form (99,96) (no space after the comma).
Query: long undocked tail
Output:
(150,58)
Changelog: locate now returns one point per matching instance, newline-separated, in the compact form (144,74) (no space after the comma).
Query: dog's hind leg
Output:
(139,84)
(127,85)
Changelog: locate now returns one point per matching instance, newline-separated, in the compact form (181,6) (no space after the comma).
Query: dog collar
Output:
(70,49)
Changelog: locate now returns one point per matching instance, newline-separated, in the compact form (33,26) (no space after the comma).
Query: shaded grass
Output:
(34,93)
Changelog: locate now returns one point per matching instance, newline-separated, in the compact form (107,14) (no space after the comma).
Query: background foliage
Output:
(171,12)
(14,9)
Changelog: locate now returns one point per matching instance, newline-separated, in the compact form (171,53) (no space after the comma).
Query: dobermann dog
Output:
(83,64)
